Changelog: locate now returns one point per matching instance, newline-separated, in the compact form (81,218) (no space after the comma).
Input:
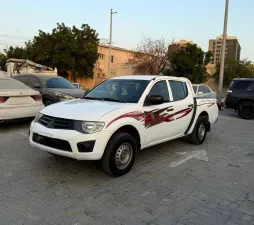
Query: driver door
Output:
(159,119)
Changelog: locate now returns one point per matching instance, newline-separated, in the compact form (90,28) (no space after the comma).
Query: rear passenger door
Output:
(159,118)
(183,104)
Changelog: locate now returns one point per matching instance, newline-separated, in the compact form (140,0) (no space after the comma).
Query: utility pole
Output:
(110,42)
(222,62)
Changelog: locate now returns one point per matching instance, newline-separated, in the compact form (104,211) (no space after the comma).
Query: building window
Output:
(101,56)
(112,59)
(98,75)
(212,62)
(213,43)
(218,43)
(214,47)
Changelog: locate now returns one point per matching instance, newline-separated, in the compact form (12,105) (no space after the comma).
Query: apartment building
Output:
(233,48)
(118,67)
(174,46)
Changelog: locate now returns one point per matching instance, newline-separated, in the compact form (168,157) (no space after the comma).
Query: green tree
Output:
(190,62)
(234,69)
(16,52)
(68,48)
(2,61)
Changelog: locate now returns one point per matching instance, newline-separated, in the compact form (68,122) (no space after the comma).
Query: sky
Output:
(195,20)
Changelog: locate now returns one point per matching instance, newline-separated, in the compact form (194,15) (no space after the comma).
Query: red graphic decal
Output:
(154,117)
(135,115)
(185,113)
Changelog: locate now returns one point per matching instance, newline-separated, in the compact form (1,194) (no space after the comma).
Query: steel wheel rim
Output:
(123,155)
(201,131)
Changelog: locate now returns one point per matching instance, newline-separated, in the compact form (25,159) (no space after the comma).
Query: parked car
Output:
(203,91)
(77,85)
(134,113)
(240,97)
(52,88)
(18,100)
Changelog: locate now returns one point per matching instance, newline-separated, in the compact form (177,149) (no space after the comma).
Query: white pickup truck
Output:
(121,116)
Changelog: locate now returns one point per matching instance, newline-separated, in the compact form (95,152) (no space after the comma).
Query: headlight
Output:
(88,127)
(64,96)
(38,116)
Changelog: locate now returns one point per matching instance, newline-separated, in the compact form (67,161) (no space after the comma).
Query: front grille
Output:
(52,142)
(56,123)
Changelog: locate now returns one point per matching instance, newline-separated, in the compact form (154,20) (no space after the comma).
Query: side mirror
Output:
(155,99)
(200,93)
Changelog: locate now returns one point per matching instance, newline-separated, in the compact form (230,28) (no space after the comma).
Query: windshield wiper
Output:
(92,98)
(114,100)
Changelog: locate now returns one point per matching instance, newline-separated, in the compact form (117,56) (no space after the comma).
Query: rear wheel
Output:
(120,154)
(246,110)
(199,132)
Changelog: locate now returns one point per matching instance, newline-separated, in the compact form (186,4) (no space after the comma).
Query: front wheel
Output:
(199,132)
(246,110)
(120,154)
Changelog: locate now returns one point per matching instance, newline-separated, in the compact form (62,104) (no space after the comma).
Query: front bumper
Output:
(72,138)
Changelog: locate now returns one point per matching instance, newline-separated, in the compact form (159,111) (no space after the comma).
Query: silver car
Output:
(203,91)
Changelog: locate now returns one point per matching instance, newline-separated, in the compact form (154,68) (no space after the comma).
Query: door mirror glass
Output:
(155,99)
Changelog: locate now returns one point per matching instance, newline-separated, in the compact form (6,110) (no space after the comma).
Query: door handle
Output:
(190,105)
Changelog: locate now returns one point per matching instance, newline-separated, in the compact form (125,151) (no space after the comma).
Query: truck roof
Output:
(148,77)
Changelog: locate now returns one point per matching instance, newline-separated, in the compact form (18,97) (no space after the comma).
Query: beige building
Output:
(233,49)
(119,58)
(174,46)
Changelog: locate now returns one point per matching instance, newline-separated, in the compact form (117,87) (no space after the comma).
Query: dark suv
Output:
(52,88)
(241,97)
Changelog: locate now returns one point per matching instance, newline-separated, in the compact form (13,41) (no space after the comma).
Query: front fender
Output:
(115,124)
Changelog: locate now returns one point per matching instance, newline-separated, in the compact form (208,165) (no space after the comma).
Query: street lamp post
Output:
(222,62)
(110,42)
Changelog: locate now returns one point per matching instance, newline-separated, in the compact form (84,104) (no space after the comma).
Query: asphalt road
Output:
(175,183)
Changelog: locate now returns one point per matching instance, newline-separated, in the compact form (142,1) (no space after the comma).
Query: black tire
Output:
(48,102)
(246,110)
(109,161)
(195,137)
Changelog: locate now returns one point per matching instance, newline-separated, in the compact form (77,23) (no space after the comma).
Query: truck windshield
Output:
(119,90)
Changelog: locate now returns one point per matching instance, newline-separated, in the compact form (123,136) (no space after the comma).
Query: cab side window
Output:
(160,88)
(179,90)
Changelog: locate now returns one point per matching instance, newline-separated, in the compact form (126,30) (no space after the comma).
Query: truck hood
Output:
(76,93)
(82,109)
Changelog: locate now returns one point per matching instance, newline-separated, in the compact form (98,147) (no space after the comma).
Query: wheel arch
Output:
(242,100)
(129,129)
